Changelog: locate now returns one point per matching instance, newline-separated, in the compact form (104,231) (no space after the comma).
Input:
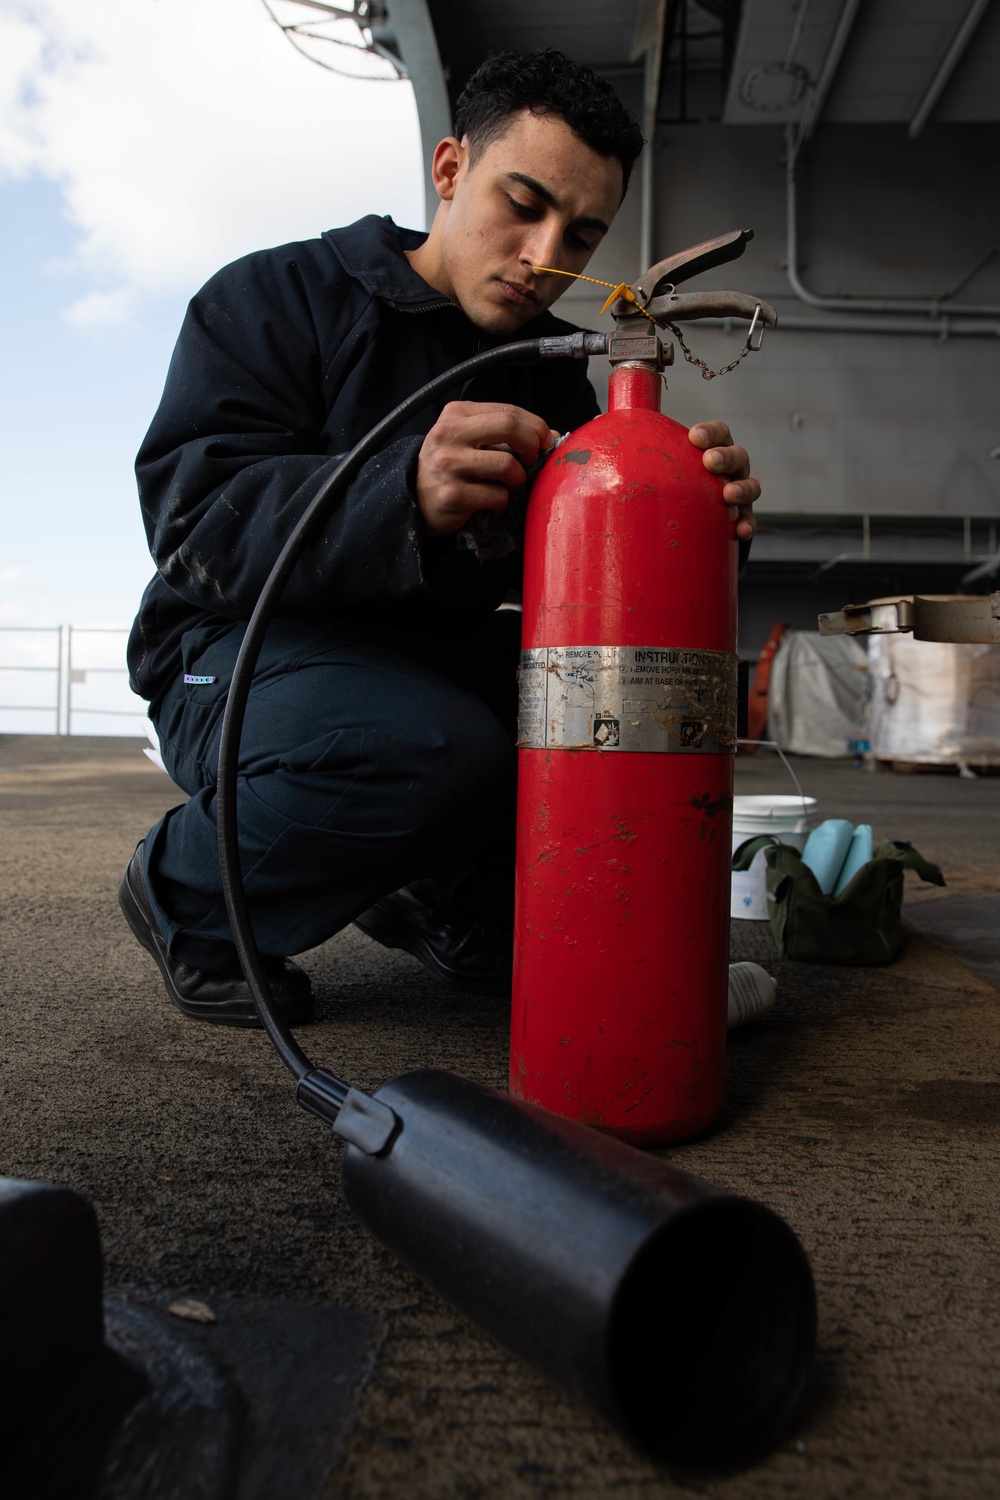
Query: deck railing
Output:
(66,679)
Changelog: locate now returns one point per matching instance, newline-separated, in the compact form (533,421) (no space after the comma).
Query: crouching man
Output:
(377,762)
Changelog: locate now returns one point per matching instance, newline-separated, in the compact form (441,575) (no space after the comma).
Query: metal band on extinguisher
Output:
(667,699)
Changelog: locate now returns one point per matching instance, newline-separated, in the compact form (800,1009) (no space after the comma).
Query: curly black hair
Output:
(547,83)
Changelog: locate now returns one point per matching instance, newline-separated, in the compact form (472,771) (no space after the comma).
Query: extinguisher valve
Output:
(634,340)
(653,301)
(631,344)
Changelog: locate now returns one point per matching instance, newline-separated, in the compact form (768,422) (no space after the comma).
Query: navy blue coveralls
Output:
(378,738)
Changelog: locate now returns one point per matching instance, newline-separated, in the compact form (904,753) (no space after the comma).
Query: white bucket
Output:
(787,819)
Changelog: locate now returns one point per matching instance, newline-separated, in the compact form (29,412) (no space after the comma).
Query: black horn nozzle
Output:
(682,1314)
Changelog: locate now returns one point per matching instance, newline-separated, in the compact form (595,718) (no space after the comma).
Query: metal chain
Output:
(706,373)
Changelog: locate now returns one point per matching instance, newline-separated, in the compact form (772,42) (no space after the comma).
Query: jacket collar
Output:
(371,250)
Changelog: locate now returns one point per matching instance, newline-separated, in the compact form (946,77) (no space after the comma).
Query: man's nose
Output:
(543,246)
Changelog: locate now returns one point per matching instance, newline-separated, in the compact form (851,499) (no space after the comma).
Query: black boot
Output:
(471,953)
(223,998)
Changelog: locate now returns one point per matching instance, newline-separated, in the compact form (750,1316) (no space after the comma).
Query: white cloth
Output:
(818,693)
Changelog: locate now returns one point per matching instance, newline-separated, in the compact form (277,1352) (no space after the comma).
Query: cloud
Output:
(183,134)
(103,309)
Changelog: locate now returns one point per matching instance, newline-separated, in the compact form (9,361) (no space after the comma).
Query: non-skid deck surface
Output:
(866,1110)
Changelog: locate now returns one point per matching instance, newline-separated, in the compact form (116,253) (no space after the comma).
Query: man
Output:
(377,764)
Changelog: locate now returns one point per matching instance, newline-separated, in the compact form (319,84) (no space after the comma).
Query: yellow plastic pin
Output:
(621,290)
(576,275)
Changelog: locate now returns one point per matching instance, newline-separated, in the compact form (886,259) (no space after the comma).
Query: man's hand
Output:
(464,466)
(722,456)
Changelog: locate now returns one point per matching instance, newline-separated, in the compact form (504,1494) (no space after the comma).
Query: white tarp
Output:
(933,702)
(818,693)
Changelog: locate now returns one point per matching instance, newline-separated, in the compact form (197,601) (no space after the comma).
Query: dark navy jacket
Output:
(285,359)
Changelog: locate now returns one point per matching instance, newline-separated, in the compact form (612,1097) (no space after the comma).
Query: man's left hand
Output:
(723,456)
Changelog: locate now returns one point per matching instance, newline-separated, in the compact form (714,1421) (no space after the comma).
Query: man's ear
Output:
(450,159)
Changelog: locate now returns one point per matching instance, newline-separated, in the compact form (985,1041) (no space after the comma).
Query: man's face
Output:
(538,196)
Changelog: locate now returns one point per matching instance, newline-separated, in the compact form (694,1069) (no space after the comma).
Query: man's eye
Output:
(524,209)
(576,243)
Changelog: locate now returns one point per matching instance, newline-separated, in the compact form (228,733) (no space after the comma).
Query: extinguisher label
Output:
(660,698)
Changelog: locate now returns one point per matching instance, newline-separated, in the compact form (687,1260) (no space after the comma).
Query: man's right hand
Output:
(464,465)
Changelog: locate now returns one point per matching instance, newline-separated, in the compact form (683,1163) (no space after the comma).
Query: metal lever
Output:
(688,263)
(680,307)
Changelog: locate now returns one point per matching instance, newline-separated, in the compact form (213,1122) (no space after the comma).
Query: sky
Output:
(143,144)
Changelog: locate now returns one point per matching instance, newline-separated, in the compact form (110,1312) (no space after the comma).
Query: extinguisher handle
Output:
(688,263)
(678,307)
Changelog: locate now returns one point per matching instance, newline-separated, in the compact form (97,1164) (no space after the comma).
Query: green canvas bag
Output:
(863,925)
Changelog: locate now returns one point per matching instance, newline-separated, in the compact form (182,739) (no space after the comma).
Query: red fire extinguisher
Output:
(627,735)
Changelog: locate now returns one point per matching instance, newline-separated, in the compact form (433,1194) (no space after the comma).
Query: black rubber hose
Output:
(527,352)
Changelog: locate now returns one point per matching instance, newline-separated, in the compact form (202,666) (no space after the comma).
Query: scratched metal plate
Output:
(659,698)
